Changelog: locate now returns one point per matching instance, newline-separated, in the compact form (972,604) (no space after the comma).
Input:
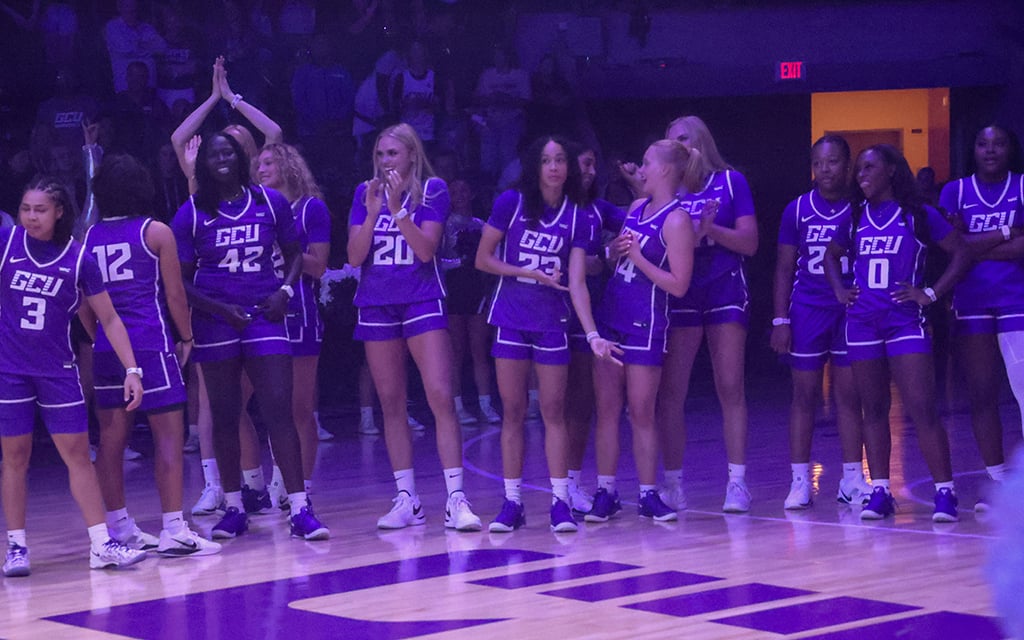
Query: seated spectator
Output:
(129,39)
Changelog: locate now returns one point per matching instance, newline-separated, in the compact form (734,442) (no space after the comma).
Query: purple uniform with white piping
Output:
(886,253)
(634,311)
(305,327)
(131,273)
(532,318)
(605,221)
(818,320)
(233,254)
(718,293)
(990,298)
(41,290)
(399,295)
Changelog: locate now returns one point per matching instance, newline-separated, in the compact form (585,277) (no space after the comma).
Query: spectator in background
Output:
(552,106)
(416,94)
(926,185)
(244,46)
(59,120)
(129,39)
(502,94)
(323,95)
(144,122)
(57,23)
(177,67)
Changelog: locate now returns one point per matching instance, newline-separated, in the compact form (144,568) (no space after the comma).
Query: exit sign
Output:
(791,70)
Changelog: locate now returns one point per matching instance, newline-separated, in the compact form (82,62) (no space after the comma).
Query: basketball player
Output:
(988,206)
(282,168)
(654,258)
(809,326)
(226,235)
(886,240)
(527,241)
(44,276)
(138,260)
(395,229)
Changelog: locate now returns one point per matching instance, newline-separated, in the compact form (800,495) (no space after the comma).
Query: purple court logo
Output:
(262,609)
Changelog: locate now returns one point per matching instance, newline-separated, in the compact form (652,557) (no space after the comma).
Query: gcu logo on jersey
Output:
(820,232)
(67,119)
(35,283)
(543,242)
(385,224)
(882,245)
(989,221)
(238,235)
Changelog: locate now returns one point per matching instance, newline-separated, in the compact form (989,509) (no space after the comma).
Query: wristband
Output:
(928,291)
(236,100)
(1006,231)
(778,322)
(136,370)
(593,335)
(287,288)
(402,214)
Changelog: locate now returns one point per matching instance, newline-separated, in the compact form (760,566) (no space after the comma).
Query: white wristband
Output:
(1006,231)
(928,291)
(593,335)
(402,214)
(778,322)
(136,370)
(236,100)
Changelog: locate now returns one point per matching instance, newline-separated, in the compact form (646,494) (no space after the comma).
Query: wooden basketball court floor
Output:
(819,574)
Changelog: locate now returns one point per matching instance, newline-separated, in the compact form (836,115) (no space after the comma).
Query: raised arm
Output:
(190,125)
(271,130)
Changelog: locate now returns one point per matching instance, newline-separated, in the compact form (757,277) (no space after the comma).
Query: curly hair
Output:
(60,194)
(123,187)
(529,181)
(904,191)
(294,171)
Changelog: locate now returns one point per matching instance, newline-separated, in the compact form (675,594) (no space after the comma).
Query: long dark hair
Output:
(1016,159)
(61,196)
(529,181)
(904,191)
(123,187)
(207,196)
(587,195)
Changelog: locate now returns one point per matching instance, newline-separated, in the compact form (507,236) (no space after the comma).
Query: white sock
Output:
(297,501)
(674,477)
(737,473)
(98,535)
(234,499)
(800,470)
(852,471)
(997,472)
(453,479)
(276,479)
(118,522)
(458,403)
(16,536)
(644,488)
(575,475)
(514,489)
(173,521)
(607,483)
(485,402)
(211,473)
(253,478)
(406,481)
(560,490)
(881,482)
(944,485)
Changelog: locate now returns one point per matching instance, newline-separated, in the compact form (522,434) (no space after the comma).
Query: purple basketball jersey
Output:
(523,303)
(392,274)
(886,253)
(809,223)
(632,303)
(233,251)
(987,207)
(38,297)
(732,192)
(313,224)
(131,274)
